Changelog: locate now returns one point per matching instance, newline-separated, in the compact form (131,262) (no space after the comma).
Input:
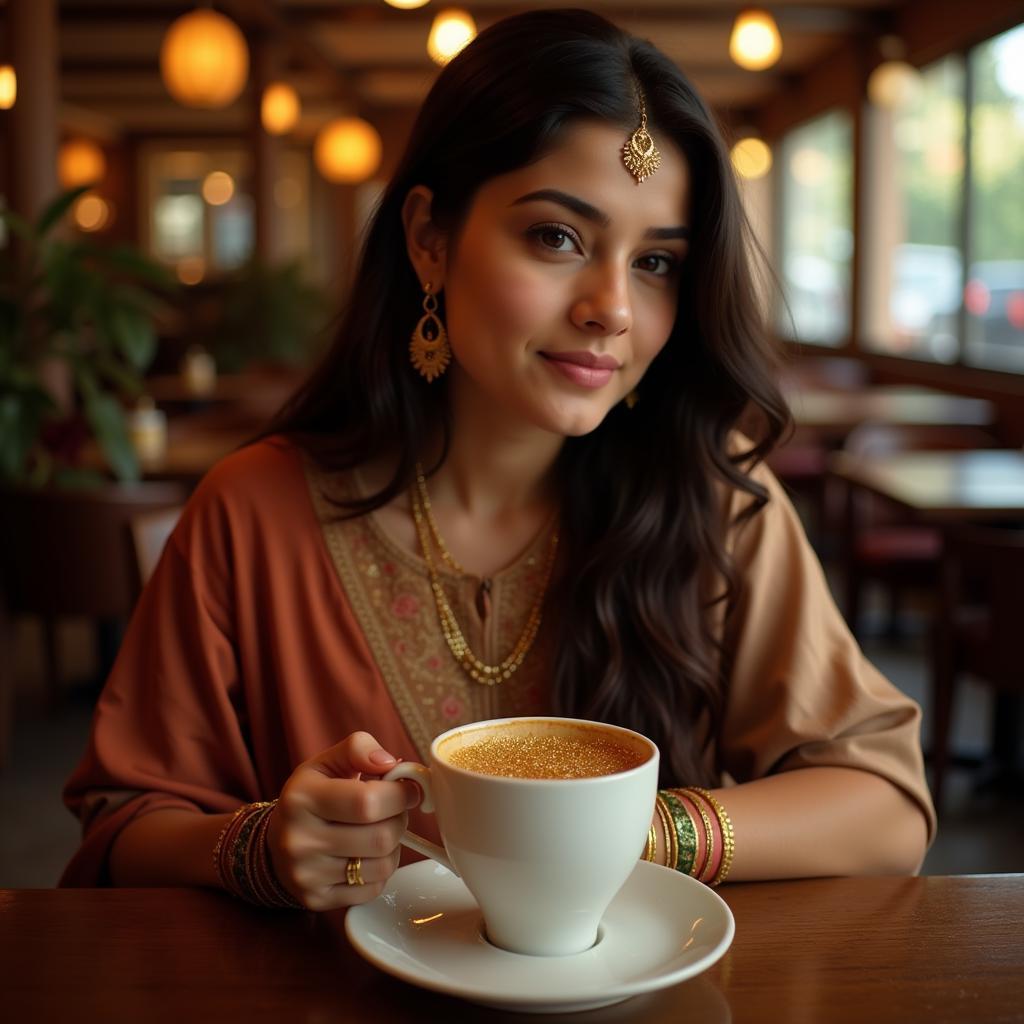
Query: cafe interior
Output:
(184,188)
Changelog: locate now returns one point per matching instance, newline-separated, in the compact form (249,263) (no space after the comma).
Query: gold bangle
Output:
(651,849)
(222,875)
(671,840)
(709,834)
(728,838)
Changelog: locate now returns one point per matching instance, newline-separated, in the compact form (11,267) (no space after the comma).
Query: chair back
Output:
(150,531)
(875,438)
(70,552)
(985,567)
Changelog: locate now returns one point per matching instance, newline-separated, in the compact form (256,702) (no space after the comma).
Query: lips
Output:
(585,369)
(584,357)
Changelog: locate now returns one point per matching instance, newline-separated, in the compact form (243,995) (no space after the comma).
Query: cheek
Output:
(497,295)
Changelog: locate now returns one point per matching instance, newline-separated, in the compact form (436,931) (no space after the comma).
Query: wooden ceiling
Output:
(344,55)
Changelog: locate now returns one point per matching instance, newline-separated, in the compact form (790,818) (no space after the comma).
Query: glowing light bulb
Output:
(755,43)
(451,31)
(751,157)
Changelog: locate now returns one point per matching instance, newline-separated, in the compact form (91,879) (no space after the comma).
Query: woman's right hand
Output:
(328,814)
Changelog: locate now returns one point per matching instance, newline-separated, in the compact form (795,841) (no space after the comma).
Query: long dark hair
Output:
(642,495)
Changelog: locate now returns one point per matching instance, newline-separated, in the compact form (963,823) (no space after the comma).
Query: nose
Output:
(602,306)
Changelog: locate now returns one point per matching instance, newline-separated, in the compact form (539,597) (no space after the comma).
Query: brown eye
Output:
(555,238)
(658,264)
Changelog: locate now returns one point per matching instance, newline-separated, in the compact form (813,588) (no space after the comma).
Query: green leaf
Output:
(53,213)
(21,419)
(124,380)
(134,335)
(18,225)
(107,420)
(134,263)
(77,478)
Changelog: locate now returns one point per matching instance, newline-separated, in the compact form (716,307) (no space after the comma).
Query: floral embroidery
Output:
(405,606)
(389,592)
(451,707)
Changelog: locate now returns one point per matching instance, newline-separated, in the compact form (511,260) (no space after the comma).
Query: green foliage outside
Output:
(70,306)
(931,137)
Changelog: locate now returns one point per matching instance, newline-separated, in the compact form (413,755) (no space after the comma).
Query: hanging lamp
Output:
(347,150)
(204,60)
(453,29)
(755,43)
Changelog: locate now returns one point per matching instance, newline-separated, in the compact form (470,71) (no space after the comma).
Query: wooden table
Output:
(963,486)
(873,949)
(831,415)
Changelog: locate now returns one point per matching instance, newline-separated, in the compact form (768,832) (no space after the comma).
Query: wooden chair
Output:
(70,553)
(801,461)
(879,543)
(977,630)
(150,531)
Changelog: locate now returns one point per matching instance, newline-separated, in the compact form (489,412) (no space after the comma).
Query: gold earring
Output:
(429,349)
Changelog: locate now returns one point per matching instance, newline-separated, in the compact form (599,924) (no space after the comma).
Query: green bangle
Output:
(686,833)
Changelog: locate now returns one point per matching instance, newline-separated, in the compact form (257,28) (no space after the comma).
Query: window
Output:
(816,236)
(994,290)
(202,231)
(912,269)
(943,255)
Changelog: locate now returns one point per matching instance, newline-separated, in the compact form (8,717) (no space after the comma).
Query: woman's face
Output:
(562,284)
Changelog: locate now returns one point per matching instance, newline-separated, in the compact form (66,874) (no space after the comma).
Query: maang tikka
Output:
(639,154)
(429,349)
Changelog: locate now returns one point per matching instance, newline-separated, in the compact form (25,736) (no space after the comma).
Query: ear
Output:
(424,241)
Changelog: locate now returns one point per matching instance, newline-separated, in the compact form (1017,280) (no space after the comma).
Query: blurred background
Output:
(183,188)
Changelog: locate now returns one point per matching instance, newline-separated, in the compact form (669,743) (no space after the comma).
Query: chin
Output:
(576,422)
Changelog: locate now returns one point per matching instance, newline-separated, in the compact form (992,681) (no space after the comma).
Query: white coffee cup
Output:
(542,857)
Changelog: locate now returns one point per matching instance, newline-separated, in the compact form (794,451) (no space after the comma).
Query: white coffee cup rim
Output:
(519,780)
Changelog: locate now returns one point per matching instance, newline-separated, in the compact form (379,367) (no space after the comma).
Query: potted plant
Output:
(75,311)
(265,314)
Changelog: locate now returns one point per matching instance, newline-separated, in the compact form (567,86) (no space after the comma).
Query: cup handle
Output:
(420,774)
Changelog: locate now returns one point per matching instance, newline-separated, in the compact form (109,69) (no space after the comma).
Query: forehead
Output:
(587,162)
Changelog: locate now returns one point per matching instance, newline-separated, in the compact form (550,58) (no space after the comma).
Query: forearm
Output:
(816,822)
(167,847)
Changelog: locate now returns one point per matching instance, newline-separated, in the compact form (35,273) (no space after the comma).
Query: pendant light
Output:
(80,162)
(450,33)
(8,87)
(894,83)
(755,43)
(204,60)
(347,151)
(751,157)
(279,109)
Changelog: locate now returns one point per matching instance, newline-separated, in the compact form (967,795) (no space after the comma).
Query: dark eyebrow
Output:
(592,213)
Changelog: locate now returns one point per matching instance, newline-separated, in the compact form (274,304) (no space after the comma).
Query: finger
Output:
(340,840)
(347,802)
(357,754)
(328,888)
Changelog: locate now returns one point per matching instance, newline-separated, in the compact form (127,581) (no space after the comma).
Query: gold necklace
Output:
(428,512)
(453,635)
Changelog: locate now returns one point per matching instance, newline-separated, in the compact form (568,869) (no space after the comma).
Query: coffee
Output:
(523,754)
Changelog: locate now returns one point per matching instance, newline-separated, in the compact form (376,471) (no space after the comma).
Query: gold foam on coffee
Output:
(545,756)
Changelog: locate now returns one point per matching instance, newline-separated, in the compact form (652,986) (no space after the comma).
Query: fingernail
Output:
(382,757)
(412,797)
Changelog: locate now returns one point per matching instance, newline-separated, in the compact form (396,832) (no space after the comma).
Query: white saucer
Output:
(425,928)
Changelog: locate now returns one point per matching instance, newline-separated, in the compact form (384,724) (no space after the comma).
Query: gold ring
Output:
(353,875)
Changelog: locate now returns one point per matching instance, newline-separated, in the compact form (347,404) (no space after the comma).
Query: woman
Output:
(514,486)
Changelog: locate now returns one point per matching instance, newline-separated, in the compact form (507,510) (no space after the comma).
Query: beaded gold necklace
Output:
(426,527)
